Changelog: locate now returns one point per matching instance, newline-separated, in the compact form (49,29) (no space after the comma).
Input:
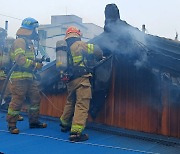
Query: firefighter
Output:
(4,60)
(23,83)
(76,109)
(5,65)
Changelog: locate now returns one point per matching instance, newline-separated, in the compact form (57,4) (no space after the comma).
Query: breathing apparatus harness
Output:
(74,70)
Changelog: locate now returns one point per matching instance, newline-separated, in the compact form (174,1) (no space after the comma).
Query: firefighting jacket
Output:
(23,53)
(82,59)
(80,50)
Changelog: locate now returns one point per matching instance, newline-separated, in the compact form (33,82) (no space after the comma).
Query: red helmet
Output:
(72,31)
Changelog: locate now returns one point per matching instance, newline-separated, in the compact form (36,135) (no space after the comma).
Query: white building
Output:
(51,33)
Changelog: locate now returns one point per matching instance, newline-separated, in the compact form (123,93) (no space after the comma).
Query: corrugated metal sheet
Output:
(131,104)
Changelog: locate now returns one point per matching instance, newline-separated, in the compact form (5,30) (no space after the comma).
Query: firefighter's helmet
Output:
(72,31)
(29,23)
(29,29)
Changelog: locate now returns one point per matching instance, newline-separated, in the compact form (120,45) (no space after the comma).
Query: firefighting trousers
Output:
(20,89)
(77,105)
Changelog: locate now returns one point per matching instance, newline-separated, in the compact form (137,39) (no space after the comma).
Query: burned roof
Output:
(143,49)
(153,58)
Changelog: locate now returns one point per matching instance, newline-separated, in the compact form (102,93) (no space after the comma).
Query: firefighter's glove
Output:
(38,66)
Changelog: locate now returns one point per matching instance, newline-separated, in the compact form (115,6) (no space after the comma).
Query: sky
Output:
(161,17)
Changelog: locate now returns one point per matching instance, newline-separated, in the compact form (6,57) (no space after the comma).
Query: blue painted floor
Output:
(52,141)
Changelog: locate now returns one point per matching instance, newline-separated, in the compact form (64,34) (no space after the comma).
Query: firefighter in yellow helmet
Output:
(22,79)
(75,112)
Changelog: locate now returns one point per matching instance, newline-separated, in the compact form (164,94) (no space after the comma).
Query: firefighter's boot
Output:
(65,129)
(20,118)
(65,126)
(37,125)
(12,120)
(34,116)
(13,130)
(78,137)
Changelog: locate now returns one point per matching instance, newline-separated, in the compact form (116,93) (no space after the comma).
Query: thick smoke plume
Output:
(134,48)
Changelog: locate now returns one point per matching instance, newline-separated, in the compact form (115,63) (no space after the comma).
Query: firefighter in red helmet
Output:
(22,79)
(79,87)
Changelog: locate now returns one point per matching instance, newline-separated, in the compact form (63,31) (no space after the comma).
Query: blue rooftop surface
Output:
(52,141)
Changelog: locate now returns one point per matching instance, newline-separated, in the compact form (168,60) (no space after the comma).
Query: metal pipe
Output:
(6,25)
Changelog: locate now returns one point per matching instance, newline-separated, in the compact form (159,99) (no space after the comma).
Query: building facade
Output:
(51,33)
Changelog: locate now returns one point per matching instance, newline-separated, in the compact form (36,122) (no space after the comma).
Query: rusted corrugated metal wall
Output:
(136,101)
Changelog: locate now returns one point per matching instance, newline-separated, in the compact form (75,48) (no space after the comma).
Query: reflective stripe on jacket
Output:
(24,57)
(2,75)
(77,50)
